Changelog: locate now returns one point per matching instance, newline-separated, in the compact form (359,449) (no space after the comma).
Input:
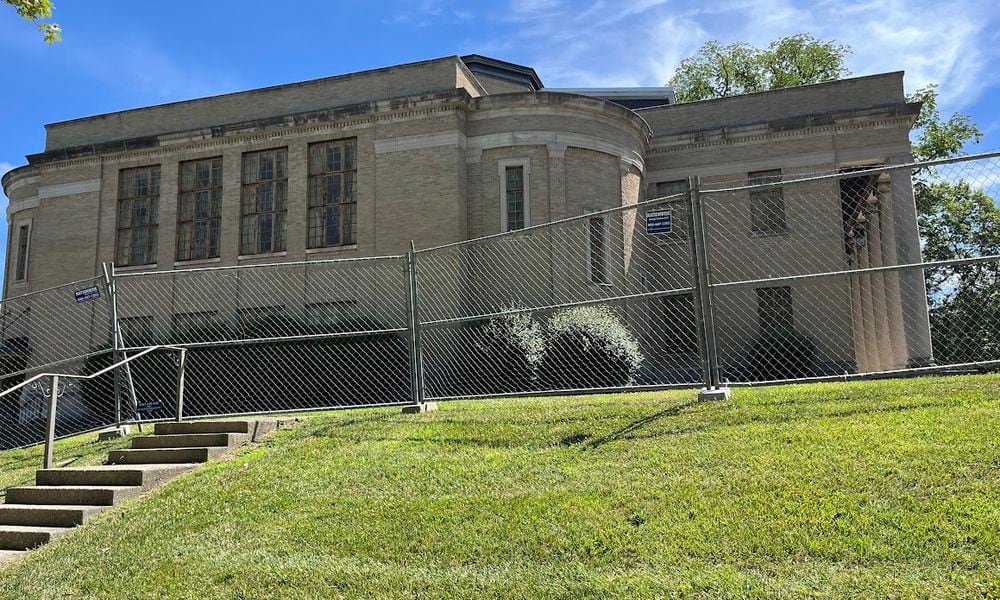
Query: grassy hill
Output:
(876,489)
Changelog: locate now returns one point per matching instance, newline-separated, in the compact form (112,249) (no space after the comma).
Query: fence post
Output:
(50,423)
(416,351)
(712,389)
(182,359)
(699,290)
(109,284)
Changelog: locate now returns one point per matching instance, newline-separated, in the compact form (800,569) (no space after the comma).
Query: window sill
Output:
(325,249)
(194,262)
(262,255)
(20,283)
(769,234)
(135,268)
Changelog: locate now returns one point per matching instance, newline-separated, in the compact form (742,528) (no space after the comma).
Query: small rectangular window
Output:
(774,310)
(21,268)
(138,197)
(332,215)
(137,331)
(263,201)
(200,209)
(598,250)
(680,330)
(194,326)
(514,200)
(767,206)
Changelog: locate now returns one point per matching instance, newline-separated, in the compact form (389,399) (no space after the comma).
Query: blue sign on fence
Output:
(148,407)
(87,295)
(659,220)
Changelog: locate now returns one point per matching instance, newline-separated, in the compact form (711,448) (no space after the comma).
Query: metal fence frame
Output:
(413,274)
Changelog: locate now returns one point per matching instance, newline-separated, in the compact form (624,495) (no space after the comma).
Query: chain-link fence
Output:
(874,270)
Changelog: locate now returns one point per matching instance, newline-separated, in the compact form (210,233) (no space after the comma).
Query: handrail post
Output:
(50,423)
(182,358)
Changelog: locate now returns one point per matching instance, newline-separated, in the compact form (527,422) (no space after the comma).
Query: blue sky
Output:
(117,54)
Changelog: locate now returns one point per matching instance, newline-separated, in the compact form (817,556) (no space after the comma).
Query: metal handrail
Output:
(50,429)
(144,352)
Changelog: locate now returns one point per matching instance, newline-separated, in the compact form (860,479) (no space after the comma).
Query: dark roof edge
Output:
(504,70)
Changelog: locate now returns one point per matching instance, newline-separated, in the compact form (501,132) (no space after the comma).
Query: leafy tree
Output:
(35,11)
(718,71)
(957,219)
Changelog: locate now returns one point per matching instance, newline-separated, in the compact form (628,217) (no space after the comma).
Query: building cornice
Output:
(766,132)
(204,141)
(318,120)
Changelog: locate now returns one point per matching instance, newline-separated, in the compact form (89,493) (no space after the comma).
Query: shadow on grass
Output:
(628,430)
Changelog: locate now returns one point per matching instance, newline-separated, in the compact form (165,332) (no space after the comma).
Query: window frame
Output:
(502,166)
(192,223)
(606,258)
(770,325)
(278,231)
(18,226)
(348,220)
(152,219)
(760,203)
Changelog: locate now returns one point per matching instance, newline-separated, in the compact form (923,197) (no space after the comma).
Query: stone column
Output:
(913,291)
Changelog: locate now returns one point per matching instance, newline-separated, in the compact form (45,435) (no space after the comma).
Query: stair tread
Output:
(11,554)
(139,467)
(113,488)
(44,507)
(33,528)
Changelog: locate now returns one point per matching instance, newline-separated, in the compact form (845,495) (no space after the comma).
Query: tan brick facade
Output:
(430,138)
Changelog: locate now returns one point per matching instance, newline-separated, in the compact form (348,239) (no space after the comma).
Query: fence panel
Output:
(485,303)
(840,275)
(296,336)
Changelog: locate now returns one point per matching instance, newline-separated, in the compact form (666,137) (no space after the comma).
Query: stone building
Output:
(457,148)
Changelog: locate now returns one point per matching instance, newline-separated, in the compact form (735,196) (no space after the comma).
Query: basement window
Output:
(774,310)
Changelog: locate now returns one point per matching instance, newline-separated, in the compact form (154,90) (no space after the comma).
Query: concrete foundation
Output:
(712,395)
(420,408)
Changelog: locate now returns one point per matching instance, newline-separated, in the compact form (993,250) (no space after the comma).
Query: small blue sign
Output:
(87,295)
(659,220)
(148,407)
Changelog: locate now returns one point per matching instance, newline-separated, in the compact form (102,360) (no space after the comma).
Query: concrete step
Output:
(92,495)
(26,537)
(245,427)
(9,555)
(133,475)
(149,456)
(47,515)
(190,440)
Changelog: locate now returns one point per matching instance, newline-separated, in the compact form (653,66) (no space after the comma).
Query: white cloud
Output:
(641,42)
(136,65)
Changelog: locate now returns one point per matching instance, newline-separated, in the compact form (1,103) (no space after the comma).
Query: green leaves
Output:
(35,11)
(718,71)
(937,138)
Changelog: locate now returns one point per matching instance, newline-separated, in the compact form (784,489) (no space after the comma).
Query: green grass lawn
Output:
(884,489)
